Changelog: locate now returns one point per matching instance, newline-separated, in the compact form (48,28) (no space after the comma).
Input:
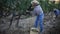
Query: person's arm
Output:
(30,8)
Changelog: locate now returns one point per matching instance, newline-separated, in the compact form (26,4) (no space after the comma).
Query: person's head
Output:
(34,2)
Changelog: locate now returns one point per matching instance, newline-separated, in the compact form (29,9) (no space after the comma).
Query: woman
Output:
(39,13)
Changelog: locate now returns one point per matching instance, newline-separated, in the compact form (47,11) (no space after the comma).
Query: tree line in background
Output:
(20,6)
(8,7)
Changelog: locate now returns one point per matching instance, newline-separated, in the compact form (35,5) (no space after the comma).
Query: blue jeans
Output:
(40,19)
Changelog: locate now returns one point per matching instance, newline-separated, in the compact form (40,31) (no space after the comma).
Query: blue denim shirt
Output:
(37,10)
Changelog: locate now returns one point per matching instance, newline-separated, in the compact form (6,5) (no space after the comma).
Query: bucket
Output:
(34,31)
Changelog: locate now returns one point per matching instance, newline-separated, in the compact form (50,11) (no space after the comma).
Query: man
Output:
(57,12)
(39,13)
